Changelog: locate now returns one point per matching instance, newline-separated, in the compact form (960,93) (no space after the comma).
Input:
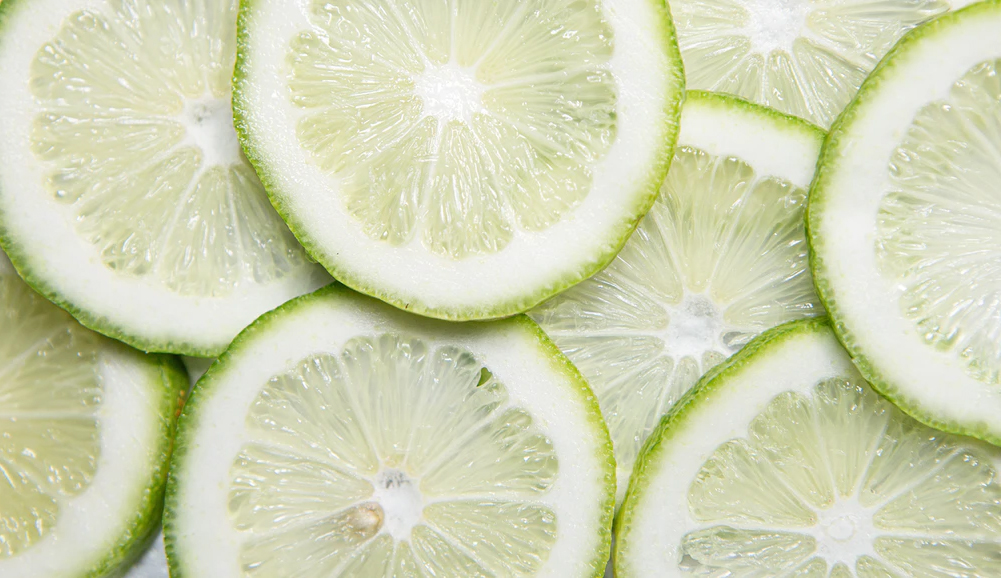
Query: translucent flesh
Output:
(933,504)
(305,487)
(939,228)
(721,257)
(462,183)
(50,395)
(809,65)
(119,91)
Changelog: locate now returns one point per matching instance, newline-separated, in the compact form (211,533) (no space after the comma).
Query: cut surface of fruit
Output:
(85,428)
(460,159)
(805,58)
(719,258)
(904,219)
(341,437)
(124,195)
(786,463)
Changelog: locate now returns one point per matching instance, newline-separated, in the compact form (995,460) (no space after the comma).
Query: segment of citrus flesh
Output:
(85,429)
(445,122)
(905,225)
(803,58)
(50,395)
(403,456)
(823,479)
(838,482)
(132,134)
(441,131)
(392,453)
(719,258)
(939,225)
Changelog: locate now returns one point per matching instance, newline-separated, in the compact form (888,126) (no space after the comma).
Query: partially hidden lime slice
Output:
(785,463)
(466,159)
(721,257)
(805,58)
(124,195)
(905,218)
(341,437)
(85,435)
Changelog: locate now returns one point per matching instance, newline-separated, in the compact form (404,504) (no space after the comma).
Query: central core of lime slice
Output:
(391,456)
(135,131)
(450,93)
(458,124)
(774,25)
(840,483)
(50,397)
(939,228)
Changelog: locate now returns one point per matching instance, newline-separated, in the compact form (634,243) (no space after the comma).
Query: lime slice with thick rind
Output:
(341,437)
(85,434)
(803,58)
(719,258)
(124,194)
(459,159)
(903,224)
(784,462)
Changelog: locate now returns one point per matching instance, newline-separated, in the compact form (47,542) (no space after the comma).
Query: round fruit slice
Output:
(85,435)
(719,258)
(785,463)
(124,196)
(340,437)
(904,222)
(460,159)
(805,58)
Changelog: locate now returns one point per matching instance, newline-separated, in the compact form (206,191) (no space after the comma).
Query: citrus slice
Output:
(904,224)
(124,196)
(85,434)
(785,463)
(719,258)
(805,58)
(461,159)
(340,437)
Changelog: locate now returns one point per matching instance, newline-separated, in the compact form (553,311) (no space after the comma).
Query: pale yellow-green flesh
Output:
(938,233)
(807,59)
(932,501)
(50,394)
(324,435)
(721,257)
(124,94)
(541,114)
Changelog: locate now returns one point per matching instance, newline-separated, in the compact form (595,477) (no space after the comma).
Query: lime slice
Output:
(124,196)
(785,463)
(85,430)
(904,221)
(803,58)
(461,159)
(721,257)
(340,437)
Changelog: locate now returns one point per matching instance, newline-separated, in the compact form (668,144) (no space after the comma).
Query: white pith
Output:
(533,261)
(94,522)
(203,535)
(41,230)
(925,380)
(659,514)
(695,327)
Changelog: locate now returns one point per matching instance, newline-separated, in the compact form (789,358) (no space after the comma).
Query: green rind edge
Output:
(781,120)
(188,422)
(167,373)
(826,165)
(709,387)
(332,263)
